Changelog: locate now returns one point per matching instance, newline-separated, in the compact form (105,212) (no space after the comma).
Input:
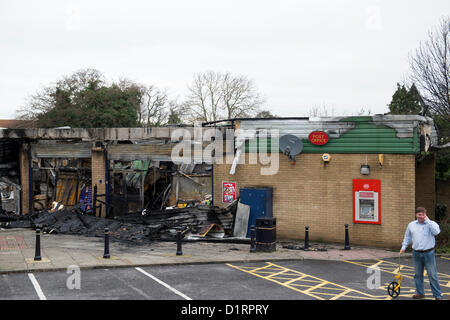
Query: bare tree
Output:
(363,111)
(321,111)
(240,98)
(215,96)
(177,112)
(430,68)
(204,97)
(154,110)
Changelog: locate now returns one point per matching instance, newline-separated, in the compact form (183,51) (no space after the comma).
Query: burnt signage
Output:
(318,138)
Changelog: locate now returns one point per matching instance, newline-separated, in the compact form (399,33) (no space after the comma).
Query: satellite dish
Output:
(291,146)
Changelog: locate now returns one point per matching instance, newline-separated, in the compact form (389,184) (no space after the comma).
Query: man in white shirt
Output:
(421,233)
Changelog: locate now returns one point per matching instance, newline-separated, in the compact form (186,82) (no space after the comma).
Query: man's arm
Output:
(434,227)
(406,240)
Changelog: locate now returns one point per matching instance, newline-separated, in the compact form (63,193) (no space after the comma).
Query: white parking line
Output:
(37,287)
(164,284)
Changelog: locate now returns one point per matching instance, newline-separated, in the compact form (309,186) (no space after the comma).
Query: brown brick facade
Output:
(98,176)
(24,163)
(312,194)
(425,185)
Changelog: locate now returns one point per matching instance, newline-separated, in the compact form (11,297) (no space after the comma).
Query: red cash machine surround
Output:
(367,201)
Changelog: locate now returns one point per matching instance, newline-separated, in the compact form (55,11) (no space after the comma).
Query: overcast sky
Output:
(345,55)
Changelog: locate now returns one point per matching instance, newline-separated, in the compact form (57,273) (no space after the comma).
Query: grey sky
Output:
(342,54)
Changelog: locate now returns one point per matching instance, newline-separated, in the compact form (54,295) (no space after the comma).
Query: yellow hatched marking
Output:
(343,293)
(315,287)
(375,265)
(278,273)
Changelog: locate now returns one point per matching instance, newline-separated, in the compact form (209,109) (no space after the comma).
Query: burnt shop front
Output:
(325,173)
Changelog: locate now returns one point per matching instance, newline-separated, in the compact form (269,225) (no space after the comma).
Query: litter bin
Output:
(266,235)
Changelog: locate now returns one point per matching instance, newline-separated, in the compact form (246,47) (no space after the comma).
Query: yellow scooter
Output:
(394,287)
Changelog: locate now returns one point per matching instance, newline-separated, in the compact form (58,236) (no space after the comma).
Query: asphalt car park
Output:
(280,280)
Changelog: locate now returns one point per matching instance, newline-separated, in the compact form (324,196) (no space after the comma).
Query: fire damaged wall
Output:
(9,175)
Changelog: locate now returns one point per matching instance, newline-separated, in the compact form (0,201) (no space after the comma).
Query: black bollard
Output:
(106,254)
(306,247)
(37,254)
(252,239)
(347,241)
(179,236)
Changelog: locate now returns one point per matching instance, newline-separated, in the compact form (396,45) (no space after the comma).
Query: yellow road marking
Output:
(407,271)
(312,286)
(376,264)
(295,279)
(315,287)
(277,273)
(343,293)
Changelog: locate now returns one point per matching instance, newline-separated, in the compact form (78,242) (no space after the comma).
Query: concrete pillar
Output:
(98,177)
(24,163)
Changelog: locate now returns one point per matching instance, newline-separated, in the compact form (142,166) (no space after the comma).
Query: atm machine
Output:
(366,201)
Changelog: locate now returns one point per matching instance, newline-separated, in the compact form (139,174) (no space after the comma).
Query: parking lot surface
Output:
(279,280)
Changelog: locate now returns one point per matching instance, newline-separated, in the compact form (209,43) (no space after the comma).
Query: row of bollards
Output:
(306,246)
(106,254)
(179,252)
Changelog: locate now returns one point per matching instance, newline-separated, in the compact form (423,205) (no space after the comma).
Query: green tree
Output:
(84,100)
(405,101)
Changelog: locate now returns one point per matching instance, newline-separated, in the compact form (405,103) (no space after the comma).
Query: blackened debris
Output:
(135,228)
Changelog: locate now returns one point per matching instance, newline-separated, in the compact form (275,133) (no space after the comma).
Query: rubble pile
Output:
(135,228)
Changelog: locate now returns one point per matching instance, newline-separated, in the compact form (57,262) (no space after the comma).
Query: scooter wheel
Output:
(391,289)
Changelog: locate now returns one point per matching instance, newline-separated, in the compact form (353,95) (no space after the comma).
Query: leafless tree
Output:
(430,66)
(204,96)
(215,96)
(364,112)
(321,111)
(240,98)
(154,110)
(177,112)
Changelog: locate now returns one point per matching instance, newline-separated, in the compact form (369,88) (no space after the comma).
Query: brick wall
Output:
(311,194)
(425,185)
(98,176)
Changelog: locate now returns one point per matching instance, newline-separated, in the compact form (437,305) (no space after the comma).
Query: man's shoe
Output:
(440,298)
(418,296)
